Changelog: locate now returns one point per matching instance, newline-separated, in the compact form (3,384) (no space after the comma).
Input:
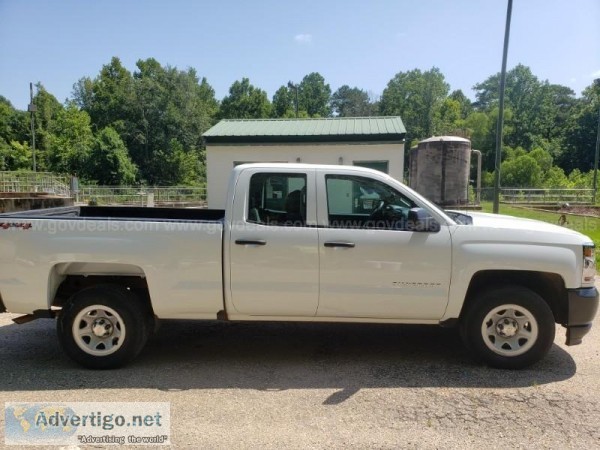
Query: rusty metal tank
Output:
(439,169)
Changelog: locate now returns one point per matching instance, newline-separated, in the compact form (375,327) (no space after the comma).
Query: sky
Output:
(358,43)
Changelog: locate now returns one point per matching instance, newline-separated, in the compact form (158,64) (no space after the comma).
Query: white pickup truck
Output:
(298,243)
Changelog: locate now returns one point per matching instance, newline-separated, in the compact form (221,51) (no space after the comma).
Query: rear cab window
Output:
(277,199)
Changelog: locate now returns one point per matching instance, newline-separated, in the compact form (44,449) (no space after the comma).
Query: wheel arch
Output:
(549,286)
(68,278)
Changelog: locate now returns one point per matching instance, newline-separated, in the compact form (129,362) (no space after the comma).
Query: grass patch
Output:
(590,226)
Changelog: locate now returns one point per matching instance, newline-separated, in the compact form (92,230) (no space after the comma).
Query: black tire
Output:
(113,308)
(519,327)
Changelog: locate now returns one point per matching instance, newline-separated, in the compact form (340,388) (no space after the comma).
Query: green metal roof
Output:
(336,129)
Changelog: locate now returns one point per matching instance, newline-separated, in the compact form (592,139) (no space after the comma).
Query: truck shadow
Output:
(186,355)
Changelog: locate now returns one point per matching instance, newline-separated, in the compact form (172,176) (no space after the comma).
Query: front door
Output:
(371,265)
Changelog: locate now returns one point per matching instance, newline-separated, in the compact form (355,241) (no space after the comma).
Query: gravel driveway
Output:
(251,385)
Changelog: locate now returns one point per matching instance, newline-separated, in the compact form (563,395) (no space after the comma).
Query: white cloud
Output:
(303,38)
(596,74)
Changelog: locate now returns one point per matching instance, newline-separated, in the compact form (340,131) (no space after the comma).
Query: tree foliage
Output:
(109,162)
(522,171)
(539,109)
(314,95)
(245,102)
(284,103)
(15,153)
(580,132)
(417,97)
(146,125)
(159,113)
(352,102)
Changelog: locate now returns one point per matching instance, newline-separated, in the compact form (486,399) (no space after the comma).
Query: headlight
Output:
(589,264)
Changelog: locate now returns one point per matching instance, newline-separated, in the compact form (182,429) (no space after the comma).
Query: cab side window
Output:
(359,202)
(277,199)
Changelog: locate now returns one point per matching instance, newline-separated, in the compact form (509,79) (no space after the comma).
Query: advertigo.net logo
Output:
(93,423)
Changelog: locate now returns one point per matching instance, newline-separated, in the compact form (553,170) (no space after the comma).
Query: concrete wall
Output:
(220,159)
(26,203)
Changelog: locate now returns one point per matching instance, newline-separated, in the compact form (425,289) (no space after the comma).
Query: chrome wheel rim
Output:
(509,330)
(98,330)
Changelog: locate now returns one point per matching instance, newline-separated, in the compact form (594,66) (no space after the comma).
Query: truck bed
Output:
(124,213)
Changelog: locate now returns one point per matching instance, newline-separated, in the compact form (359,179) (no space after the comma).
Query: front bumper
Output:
(583,305)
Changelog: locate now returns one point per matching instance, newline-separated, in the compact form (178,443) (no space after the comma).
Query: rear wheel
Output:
(103,327)
(508,328)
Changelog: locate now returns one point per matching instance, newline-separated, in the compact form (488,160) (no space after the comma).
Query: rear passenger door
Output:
(274,260)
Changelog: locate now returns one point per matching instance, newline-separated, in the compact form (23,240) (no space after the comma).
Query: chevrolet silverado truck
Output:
(298,243)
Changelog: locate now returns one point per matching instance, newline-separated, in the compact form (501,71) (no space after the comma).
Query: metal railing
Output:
(119,195)
(34,182)
(58,185)
(546,196)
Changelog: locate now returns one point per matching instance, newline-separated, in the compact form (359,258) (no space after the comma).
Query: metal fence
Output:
(141,196)
(34,182)
(49,183)
(57,185)
(547,196)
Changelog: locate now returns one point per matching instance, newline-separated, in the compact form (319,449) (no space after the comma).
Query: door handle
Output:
(250,242)
(340,244)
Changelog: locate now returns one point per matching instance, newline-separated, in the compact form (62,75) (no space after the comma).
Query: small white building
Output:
(375,142)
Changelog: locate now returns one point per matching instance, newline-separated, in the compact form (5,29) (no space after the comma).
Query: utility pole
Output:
(32,108)
(500,127)
(294,86)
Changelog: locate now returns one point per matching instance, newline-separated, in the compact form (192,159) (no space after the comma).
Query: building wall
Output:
(220,159)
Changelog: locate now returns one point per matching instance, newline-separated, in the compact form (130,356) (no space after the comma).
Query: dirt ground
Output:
(296,386)
(581,210)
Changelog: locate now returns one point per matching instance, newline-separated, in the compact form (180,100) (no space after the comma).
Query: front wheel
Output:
(103,327)
(508,328)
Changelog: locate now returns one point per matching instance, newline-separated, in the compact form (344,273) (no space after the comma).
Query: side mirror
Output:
(420,220)
(463,219)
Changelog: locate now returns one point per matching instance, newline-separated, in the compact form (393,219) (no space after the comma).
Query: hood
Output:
(516,223)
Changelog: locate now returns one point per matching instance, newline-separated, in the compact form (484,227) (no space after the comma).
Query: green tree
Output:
(245,102)
(48,111)
(481,129)
(314,95)
(479,126)
(15,156)
(522,171)
(417,97)
(171,111)
(539,108)
(543,158)
(109,162)
(557,104)
(284,103)
(449,117)
(555,178)
(579,180)
(108,99)
(581,130)
(156,110)
(352,102)
(69,141)
(466,106)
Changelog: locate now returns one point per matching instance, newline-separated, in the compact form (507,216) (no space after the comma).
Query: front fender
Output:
(476,250)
